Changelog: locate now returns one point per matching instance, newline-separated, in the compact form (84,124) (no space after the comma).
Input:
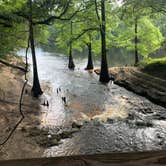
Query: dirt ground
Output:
(20,145)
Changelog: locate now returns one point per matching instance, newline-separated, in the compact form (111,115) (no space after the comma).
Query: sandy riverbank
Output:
(30,139)
(20,145)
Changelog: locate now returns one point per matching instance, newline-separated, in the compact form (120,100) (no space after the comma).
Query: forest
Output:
(80,77)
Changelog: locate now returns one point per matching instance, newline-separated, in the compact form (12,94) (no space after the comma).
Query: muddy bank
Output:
(20,145)
(141,83)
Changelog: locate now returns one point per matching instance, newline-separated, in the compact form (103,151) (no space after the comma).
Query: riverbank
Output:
(30,138)
(20,145)
(141,82)
(109,114)
(157,158)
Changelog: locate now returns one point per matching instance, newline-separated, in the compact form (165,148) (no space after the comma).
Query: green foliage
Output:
(155,67)
(120,19)
(83,21)
(149,36)
(151,61)
(41,34)
(12,39)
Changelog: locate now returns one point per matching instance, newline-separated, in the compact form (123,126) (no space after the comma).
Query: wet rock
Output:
(125,97)
(45,142)
(53,142)
(96,122)
(158,136)
(36,132)
(74,130)
(145,110)
(44,138)
(49,136)
(148,110)
(130,116)
(109,120)
(141,123)
(77,124)
(160,116)
(66,134)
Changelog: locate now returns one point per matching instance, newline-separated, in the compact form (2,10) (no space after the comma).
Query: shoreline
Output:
(139,82)
(21,144)
(30,137)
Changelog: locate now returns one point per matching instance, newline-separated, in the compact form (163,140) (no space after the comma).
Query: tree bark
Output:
(136,42)
(71,62)
(104,75)
(36,89)
(90,61)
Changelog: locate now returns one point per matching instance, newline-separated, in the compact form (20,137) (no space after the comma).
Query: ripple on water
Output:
(90,100)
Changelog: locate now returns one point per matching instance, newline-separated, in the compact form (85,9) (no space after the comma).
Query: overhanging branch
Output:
(51,18)
(83,32)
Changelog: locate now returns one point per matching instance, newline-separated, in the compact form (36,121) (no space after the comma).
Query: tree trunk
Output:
(136,42)
(90,61)
(36,89)
(71,62)
(104,75)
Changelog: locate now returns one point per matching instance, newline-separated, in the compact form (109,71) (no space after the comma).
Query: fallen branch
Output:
(12,65)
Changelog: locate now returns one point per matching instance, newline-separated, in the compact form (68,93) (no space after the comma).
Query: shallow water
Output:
(117,120)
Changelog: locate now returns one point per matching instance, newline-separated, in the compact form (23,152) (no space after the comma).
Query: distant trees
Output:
(137,32)
(134,30)
(11,29)
(84,25)
(94,25)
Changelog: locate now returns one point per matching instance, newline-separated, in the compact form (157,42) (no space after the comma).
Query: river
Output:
(115,119)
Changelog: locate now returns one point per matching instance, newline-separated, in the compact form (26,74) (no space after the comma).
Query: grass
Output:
(155,67)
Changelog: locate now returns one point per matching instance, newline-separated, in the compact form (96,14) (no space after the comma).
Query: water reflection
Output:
(118,119)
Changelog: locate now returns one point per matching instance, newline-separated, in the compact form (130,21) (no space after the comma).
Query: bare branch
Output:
(83,32)
(51,18)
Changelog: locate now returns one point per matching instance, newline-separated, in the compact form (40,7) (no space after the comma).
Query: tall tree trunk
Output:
(136,42)
(71,62)
(90,61)
(36,89)
(104,75)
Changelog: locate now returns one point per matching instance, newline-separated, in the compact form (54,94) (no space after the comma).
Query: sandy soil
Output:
(20,145)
